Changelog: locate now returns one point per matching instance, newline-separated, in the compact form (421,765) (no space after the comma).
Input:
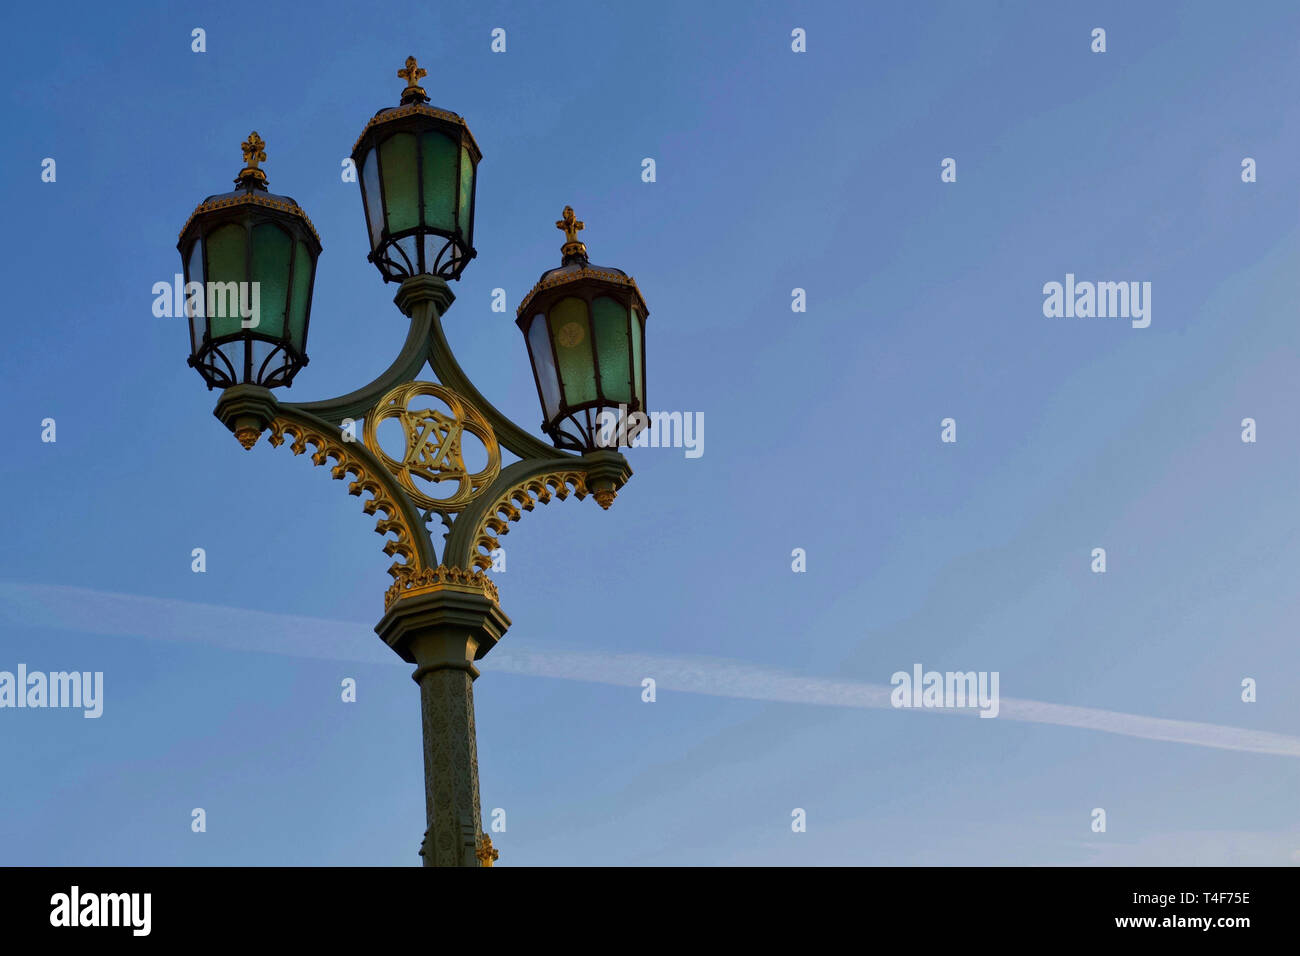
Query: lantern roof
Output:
(575,267)
(251,190)
(415,102)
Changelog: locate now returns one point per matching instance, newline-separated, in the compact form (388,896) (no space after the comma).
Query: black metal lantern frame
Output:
(266,360)
(574,426)
(426,247)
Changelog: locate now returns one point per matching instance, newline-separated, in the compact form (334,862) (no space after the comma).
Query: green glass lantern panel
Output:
(610,319)
(466,189)
(438,164)
(401,182)
(301,295)
(272,253)
(544,366)
(638,362)
(571,333)
(227,259)
(371,196)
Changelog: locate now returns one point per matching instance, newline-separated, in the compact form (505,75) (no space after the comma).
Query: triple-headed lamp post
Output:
(252,258)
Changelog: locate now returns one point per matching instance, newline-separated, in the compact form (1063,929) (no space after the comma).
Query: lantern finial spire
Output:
(254,152)
(414,93)
(572,248)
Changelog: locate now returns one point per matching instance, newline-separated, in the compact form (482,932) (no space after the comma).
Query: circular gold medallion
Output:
(570,334)
(434,438)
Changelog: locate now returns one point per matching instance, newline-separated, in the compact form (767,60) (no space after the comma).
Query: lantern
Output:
(585,330)
(416,166)
(249,259)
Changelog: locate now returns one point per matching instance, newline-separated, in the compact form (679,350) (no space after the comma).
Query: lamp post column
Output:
(443,631)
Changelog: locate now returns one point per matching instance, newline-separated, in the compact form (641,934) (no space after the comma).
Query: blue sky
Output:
(775,170)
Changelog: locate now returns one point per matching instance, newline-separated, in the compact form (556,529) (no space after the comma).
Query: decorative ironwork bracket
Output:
(484,503)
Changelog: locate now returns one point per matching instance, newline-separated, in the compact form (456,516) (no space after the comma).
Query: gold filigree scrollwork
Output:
(250,199)
(486,853)
(433,443)
(523,497)
(440,578)
(393,522)
(586,272)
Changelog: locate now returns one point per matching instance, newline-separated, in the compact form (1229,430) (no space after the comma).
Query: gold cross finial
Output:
(571,224)
(412,75)
(254,152)
(254,149)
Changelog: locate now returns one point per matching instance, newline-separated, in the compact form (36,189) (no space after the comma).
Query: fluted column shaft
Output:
(443,632)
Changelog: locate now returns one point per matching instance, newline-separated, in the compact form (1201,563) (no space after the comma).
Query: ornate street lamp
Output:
(585,329)
(442,611)
(253,257)
(417,167)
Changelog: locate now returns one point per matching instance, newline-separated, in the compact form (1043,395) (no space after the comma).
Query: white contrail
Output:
(100,612)
(722,678)
(129,615)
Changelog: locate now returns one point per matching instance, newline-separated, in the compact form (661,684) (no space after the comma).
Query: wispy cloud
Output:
(99,612)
